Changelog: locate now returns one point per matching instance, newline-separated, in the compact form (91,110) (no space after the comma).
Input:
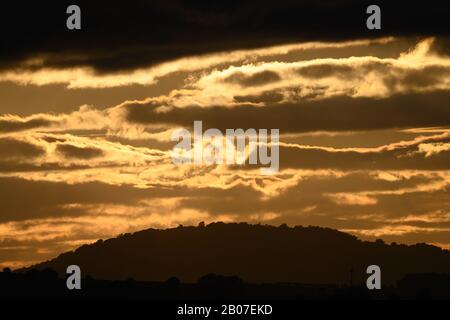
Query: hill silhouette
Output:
(46,285)
(254,253)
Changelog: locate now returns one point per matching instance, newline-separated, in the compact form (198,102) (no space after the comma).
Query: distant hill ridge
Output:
(255,253)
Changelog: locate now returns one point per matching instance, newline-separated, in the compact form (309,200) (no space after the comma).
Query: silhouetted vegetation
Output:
(45,284)
(256,253)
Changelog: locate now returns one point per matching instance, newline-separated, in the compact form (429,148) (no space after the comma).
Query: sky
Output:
(86,119)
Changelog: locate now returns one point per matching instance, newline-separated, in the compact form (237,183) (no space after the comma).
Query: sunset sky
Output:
(86,119)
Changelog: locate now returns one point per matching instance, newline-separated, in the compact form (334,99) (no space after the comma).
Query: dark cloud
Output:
(328,70)
(416,204)
(310,202)
(12,149)
(23,200)
(11,125)
(393,76)
(309,192)
(406,157)
(126,35)
(332,114)
(28,200)
(265,97)
(70,151)
(257,79)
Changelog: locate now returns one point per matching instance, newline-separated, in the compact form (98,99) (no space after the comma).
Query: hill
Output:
(255,253)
